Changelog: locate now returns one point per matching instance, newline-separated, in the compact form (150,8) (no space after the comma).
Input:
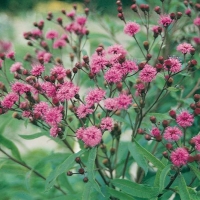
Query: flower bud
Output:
(106,162)
(121,16)
(119,86)
(172,16)
(148,57)
(147,137)
(165,154)
(158,138)
(140,131)
(191,159)
(81,171)
(59,20)
(197,157)
(91,75)
(159,67)
(170,81)
(146,45)
(120,9)
(161,59)
(169,146)
(157,10)
(75,70)
(153,119)
(112,151)
(134,7)
(192,51)
(85,179)
(86,59)
(119,3)
(69,173)
(87,11)
(165,123)
(179,15)
(172,113)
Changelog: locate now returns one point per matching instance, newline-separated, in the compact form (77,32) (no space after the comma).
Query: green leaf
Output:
(160,116)
(64,167)
(92,184)
(183,189)
(10,145)
(173,89)
(138,157)
(163,175)
(119,194)
(157,179)
(90,168)
(195,170)
(34,136)
(157,163)
(135,189)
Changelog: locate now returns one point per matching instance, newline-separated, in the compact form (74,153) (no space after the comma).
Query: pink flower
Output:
(148,73)
(83,110)
(155,132)
(92,136)
(53,116)
(16,67)
(113,76)
(197,21)
(47,57)
(165,20)
(196,140)
(117,50)
(97,63)
(71,14)
(184,48)
(9,100)
(1,63)
(81,20)
(40,108)
(126,67)
(131,28)
(184,119)
(172,134)
(49,89)
(64,37)
(140,87)
(196,40)
(79,133)
(124,101)
(95,96)
(54,131)
(58,71)
(106,123)
(36,33)
(67,91)
(26,114)
(60,43)
(37,69)
(175,65)
(51,35)
(188,11)
(155,29)
(20,88)
(10,55)
(111,104)
(179,157)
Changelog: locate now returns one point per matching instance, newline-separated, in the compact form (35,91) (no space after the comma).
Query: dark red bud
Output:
(169,146)
(134,7)
(165,123)
(153,119)
(172,113)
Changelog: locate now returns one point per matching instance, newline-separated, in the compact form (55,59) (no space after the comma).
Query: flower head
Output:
(148,73)
(197,21)
(172,134)
(175,65)
(111,104)
(67,91)
(53,116)
(179,157)
(51,35)
(131,28)
(113,75)
(40,108)
(196,140)
(184,48)
(106,123)
(95,96)
(49,89)
(184,119)
(165,20)
(59,44)
(83,110)
(9,100)
(92,136)
(37,69)
(16,67)
(155,132)
(124,101)
(58,71)
(20,88)
(79,133)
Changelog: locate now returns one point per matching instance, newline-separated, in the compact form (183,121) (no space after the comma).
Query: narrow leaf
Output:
(64,167)
(157,163)
(135,189)
(173,89)
(119,194)
(163,175)
(195,170)
(183,190)
(10,145)
(34,136)
(140,160)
